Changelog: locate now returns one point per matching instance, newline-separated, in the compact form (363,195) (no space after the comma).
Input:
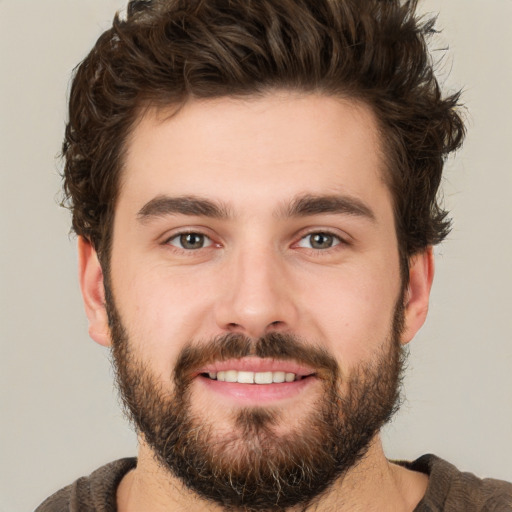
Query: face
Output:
(254,293)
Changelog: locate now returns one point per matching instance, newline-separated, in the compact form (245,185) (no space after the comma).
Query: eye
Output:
(319,241)
(190,241)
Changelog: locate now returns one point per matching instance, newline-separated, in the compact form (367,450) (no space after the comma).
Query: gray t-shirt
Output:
(449,490)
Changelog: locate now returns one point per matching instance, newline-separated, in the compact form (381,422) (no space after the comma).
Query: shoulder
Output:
(451,490)
(96,492)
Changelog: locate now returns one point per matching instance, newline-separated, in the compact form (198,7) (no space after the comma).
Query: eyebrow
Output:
(301,206)
(162,206)
(305,205)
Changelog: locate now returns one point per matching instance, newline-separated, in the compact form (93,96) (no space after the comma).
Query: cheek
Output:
(161,314)
(353,314)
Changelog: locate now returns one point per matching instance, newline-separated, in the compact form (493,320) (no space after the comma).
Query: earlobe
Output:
(93,292)
(421,275)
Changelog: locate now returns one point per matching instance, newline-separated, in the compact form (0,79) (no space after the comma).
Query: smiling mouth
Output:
(247,377)
(254,381)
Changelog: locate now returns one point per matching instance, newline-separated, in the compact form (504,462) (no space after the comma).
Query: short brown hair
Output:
(168,51)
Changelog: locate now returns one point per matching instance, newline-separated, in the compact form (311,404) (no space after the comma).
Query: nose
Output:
(256,295)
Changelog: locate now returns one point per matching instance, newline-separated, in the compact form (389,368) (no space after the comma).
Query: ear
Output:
(421,275)
(93,292)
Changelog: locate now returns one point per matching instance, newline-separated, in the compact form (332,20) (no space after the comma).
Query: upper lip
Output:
(257,364)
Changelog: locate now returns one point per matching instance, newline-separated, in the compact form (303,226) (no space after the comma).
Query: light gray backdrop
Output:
(59,413)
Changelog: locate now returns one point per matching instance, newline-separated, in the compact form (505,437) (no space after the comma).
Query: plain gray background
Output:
(59,413)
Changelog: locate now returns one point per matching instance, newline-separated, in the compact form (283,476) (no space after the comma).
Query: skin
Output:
(258,271)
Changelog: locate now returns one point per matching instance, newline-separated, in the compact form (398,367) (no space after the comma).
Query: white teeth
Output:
(244,377)
(231,376)
(263,378)
(279,377)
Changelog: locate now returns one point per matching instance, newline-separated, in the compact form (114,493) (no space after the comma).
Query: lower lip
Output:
(257,394)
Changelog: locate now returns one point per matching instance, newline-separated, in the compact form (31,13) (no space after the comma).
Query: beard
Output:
(253,466)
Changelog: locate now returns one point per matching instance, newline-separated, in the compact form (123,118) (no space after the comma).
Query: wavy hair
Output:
(166,52)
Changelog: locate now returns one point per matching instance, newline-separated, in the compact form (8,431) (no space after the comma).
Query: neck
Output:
(374,484)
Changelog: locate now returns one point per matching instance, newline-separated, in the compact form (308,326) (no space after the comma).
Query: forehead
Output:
(281,144)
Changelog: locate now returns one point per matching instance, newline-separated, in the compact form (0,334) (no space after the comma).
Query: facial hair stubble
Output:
(253,467)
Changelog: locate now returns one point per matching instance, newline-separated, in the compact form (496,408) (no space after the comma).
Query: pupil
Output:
(192,241)
(321,241)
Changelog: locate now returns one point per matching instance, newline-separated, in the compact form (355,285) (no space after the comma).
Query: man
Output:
(253,185)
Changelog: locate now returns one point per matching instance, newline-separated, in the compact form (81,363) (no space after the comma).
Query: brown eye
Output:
(319,241)
(190,241)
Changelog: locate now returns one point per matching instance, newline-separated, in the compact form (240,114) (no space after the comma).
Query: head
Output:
(168,52)
(254,185)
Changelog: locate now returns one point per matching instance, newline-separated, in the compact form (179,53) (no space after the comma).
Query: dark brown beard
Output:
(251,467)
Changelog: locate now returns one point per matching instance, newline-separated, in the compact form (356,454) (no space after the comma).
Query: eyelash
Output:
(338,241)
(178,236)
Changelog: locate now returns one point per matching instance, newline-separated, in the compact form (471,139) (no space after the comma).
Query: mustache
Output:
(280,346)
